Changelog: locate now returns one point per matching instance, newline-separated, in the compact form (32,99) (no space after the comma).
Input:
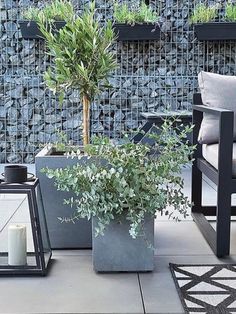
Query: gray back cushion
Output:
(217,91)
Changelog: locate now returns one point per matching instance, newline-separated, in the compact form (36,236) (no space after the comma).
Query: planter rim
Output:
(215,23)
(47,150)
(135,24)
(33,21)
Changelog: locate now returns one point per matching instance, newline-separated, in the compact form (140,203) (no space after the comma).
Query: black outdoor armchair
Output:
(216,161)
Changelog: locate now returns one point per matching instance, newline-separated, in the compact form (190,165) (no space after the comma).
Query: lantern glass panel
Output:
(16,237)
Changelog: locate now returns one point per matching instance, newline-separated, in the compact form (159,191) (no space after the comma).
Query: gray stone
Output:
(2,112)
(73,123)
(44,137)
(10,27)
(17,130)
(25,3)
(97,127)
(16,92)
(35,119)
(13,114)
(52,118)
(2,157)
(3,15)
(74,97)
(14,158)
(119,115)
(28,60)
(13,14)
(36,93)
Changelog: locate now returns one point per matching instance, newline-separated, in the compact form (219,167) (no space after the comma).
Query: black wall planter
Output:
(30,29)
(216,31)
(137,31)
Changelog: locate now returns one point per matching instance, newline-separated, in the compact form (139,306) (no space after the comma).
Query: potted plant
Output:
(121,191)
(207,27)
(82,61)
(57,13)
(136,23)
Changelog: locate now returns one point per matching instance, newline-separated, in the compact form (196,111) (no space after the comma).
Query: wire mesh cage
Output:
(151,76)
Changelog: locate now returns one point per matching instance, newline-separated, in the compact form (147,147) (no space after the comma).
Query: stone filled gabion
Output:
(150,76)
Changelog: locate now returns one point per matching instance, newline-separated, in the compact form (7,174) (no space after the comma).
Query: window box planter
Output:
(215,31)
(116,251)
(30,29)
(62,235)
(146,31)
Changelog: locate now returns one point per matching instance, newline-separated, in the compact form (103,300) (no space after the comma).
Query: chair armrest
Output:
(211,110)
(225,116)
(226,128)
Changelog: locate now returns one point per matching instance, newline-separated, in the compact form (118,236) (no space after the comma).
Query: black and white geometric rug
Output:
(206,288)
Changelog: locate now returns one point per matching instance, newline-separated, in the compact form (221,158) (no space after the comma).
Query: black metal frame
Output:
(42,258)
(218,240)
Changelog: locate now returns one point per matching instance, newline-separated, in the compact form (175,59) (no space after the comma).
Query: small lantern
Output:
(21,254)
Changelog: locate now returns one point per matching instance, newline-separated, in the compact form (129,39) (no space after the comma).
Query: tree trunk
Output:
(86,120)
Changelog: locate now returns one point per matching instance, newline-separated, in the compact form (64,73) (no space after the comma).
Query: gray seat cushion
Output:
(217,91)
(210,153)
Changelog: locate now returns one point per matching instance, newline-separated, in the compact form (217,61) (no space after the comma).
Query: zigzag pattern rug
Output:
(206,289)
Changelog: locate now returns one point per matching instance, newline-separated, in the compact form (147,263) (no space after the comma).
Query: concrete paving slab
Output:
(71,287)
(179,238)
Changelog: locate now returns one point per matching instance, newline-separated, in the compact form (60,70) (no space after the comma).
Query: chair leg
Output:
(223,220)
(196,188)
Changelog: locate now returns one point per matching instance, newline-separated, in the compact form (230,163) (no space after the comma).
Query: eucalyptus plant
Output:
(135,180)
(82,55)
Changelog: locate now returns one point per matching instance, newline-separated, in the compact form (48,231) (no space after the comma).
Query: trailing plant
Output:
(123,13)
(230,12)
(58,10)
(136,180)
(204,13)
(82,56)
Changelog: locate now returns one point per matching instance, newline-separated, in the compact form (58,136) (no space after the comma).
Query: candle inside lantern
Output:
(17,245)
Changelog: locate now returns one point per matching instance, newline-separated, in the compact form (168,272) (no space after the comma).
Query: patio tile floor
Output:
(73,287)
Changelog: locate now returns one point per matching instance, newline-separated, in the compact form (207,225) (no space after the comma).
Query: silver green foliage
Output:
(135,179)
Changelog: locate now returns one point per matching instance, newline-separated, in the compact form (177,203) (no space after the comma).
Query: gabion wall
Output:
(150,76)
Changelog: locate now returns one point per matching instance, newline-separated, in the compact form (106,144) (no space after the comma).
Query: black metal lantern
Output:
(17,259)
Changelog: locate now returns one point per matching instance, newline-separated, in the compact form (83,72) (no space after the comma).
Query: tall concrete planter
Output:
(62,235)
(116,251)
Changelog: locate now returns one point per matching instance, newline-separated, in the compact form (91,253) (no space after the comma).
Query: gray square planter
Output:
(116,251)
(62,235)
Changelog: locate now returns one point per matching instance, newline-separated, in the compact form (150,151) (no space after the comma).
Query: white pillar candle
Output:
(17,245)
